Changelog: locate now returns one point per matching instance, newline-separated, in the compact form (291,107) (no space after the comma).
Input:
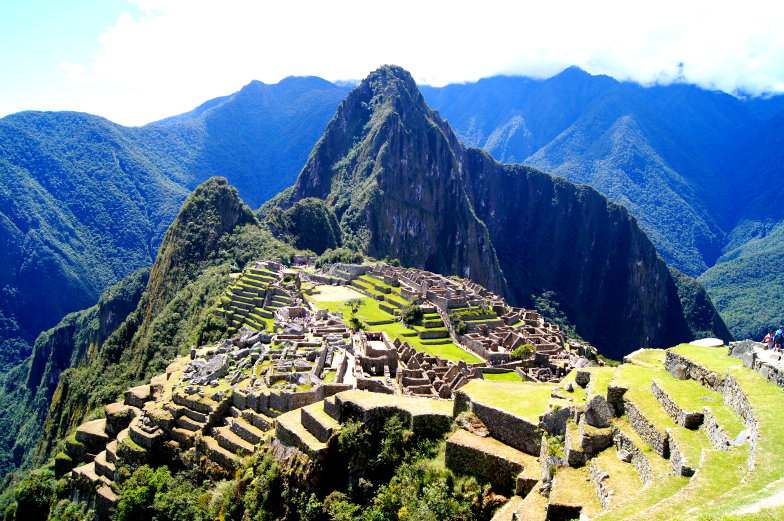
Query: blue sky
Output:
(135,61)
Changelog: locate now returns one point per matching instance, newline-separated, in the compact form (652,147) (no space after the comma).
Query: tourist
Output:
(778,337)
(768,340)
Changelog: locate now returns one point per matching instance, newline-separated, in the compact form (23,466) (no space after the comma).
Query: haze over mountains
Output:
(694,167)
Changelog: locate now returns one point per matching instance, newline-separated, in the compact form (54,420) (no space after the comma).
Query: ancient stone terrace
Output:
(256,294)
(493,328)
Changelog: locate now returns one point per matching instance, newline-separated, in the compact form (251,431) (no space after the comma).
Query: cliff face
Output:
(552,235)
(390,168)
(403,186)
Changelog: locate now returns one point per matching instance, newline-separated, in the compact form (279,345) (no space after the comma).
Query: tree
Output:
(354,304)
(457,322)
(523,352)
(412,315)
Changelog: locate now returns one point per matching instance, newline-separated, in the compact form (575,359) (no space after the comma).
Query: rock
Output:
(748,359)
(240,353)
(742,438)
(708,342)
(625,456)
(680,371)
(582,378)
(738,349)
(569,387)
(214,383)
(597,412)
(473,424)
(216,368)
(582,362)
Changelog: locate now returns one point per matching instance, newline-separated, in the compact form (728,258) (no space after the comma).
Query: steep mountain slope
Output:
(136,328)
(402,185)
(85,202)
(660,151)
(699,170)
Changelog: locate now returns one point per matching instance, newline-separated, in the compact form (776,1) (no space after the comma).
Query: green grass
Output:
(572,486)
(525,399)
(767,402)
(649,357)
(600,379)
(371,312)
(503,377)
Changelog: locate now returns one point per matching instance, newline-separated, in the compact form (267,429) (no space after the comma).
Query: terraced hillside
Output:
(684,433)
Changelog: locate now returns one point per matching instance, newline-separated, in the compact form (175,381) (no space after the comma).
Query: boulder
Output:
(597,412)
(680,371)
(582,378)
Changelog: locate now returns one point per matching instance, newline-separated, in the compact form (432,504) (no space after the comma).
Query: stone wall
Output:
(681,367)
(636,457)
(465,459)
(679,464)
(508,428)
(688,419)
(717,436)
(657,439)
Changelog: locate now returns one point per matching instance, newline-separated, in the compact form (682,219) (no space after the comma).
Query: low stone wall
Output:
(717,436)
(636,457)
(736,398)
(465,459)
(680,465)
(657,440)
(689,419)
(598,477)
(680,367)
(507,428)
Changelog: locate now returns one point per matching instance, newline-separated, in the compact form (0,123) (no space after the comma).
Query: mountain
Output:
(136,328)
(700,170)
(85,202)
(402,185)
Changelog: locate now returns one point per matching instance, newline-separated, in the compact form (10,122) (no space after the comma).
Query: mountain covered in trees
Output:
(698,169)
(402,185)
(85,202)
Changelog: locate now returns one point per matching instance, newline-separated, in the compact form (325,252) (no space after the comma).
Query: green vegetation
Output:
(341,255)
(308,225)
(412,315)
(511,376)
(523,352)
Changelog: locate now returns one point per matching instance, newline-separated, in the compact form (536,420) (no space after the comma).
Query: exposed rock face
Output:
(403,186)
(597,412)
(392,171)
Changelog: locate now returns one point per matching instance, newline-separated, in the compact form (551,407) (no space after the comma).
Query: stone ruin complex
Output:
(587,445)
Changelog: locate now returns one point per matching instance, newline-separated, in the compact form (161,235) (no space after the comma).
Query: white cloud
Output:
(179,53)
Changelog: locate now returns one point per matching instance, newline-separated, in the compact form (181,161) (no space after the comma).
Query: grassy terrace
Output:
(638,380)
(767,402)
(333,298)
(524,399)
(600,379)
(503,377)
(572,486)
(410,404)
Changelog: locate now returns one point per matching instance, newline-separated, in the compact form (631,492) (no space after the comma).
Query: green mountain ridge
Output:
(402,186)
(85,202)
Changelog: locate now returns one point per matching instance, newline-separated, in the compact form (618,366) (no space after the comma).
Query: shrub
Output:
(457,322)
(412,315)
(523,352)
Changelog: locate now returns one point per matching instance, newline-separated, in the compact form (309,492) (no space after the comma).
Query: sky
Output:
(137,61)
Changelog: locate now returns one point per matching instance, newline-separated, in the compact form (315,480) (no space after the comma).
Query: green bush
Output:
(412,315)
(523,352)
